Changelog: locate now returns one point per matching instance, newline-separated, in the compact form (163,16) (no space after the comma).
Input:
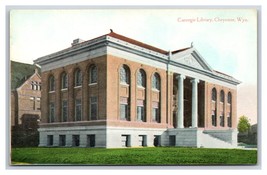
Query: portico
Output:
(188,98)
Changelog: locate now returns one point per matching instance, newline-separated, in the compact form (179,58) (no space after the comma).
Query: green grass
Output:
(133,156)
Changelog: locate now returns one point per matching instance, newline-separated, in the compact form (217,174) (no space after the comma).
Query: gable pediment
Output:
(191,58)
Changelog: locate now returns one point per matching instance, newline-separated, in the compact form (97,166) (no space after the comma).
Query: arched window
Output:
(93,74)
(214,94)
(64,81)
(124,75)
(156,81)
(229,98)
(78,77)
(51,83)
(222,96)
(141,78)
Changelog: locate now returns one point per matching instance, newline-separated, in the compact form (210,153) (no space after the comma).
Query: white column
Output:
(180,102)
(194,103)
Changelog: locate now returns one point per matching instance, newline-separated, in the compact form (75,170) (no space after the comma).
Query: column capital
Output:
(194,80)
(180,76)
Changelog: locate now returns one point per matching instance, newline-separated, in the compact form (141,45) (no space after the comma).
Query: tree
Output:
(243,124)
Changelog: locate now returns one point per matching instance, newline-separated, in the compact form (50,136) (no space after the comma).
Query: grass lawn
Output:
(133,156)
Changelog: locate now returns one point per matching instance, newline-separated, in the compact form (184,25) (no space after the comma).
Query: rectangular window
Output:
(93,108)
(50,140)
(124,109)
(156,141)
(64,112)
(140,110)
(125,140)
(62,140)
(142,140)
(172,140)
(51,112)
(213,117)
(91,140)
(75,140)
(222,120)
(229,121)
(155,112)
(78,109)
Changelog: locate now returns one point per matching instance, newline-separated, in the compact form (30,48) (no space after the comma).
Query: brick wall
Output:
(83,92)
(115,90)
(220,107)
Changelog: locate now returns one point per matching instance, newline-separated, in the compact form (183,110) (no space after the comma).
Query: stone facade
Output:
(120,92)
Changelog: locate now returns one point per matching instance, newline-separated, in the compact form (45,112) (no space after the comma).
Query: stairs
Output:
(209,141)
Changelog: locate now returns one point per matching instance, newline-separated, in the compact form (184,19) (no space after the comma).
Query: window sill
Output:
(140,120)
(50,92)
(65,89)
(141,87)
(92,84)
(124,84)
(76,87)
(156,90)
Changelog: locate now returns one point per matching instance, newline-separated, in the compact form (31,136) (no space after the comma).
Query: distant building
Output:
(113,91)
(249,137)
(25,103)
(253,134)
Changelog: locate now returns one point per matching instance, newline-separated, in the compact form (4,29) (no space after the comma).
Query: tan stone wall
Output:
(220,107)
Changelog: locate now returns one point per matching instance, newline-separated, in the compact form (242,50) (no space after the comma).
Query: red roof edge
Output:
(180,50)
(135,42)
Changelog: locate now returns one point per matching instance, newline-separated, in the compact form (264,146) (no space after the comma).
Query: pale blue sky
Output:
(229,47)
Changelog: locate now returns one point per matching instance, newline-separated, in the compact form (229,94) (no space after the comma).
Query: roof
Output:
(180,50)
(126,39)
(222,73)
(20,72)
(138,43)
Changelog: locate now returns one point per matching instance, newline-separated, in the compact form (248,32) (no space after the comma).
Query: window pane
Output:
(93,108)
(78,78)
(124,75)
(78,110)
(229,121)
(52,113)
(229,99)
(124,111)
(141,78)
(93,74)
(156,81)
(64,81)
(214,94)
(64,110)
(51,84)
(222,120)
(213,117)
(222,96)
(62,140)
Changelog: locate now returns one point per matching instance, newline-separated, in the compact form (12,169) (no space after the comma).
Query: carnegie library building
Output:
(113,91)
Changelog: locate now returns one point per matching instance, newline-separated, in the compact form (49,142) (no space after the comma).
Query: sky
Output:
(225,38)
